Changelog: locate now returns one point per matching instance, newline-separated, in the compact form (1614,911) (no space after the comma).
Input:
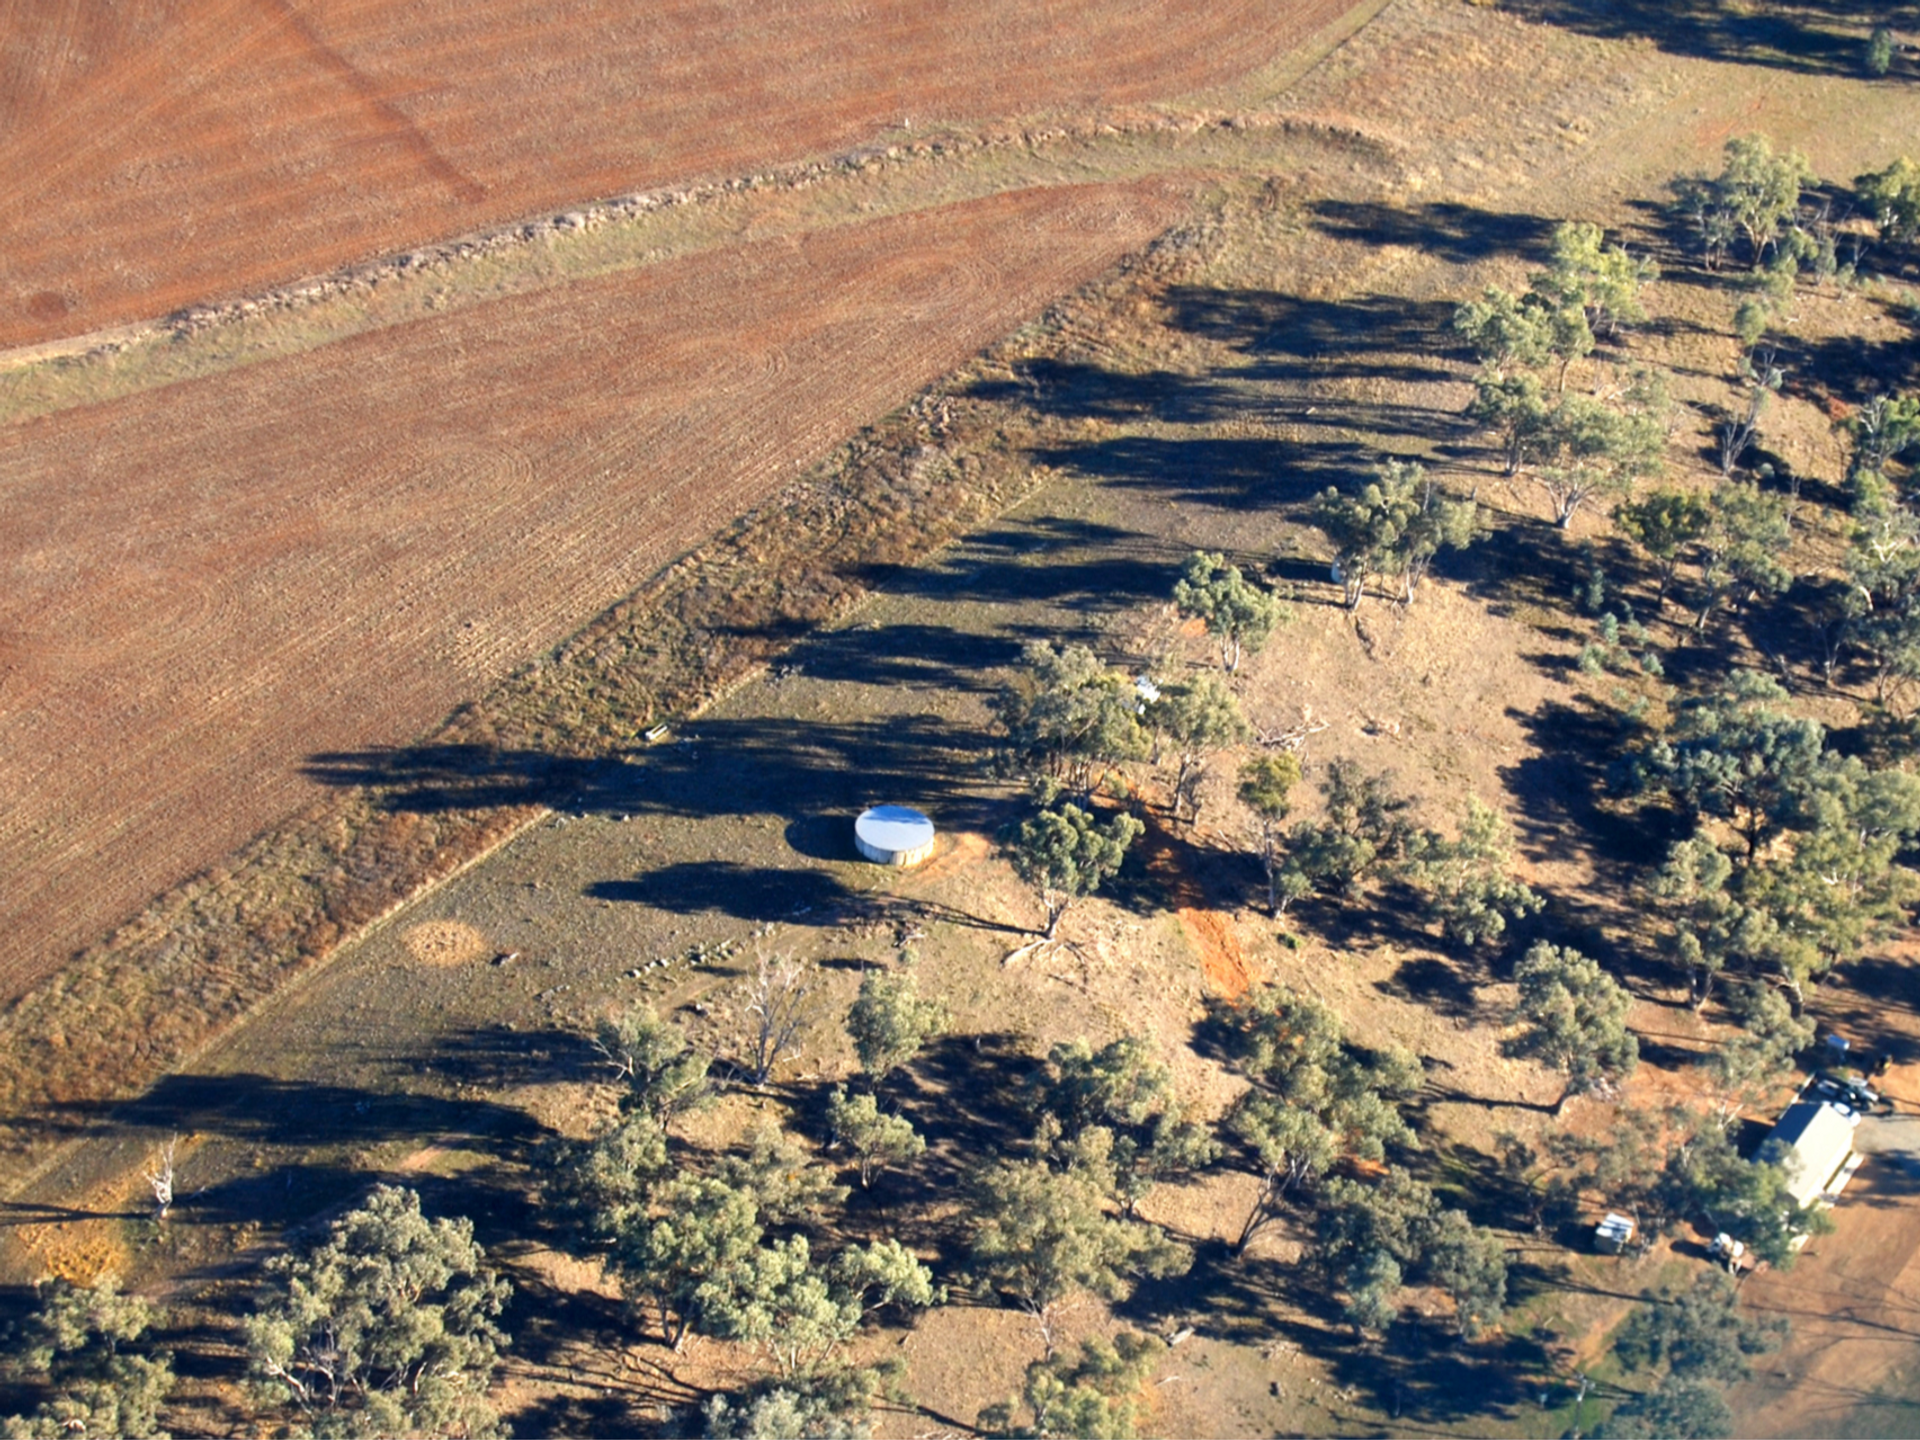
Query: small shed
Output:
(1611,1235)
(893,835)
(1813,1141)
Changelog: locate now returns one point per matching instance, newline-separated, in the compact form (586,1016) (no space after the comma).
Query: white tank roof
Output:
(893,834)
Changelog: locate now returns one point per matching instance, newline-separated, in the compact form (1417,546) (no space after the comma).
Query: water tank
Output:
(893,835)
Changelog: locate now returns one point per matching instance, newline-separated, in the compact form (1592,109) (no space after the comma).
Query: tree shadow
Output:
(1421,1374)
(285,1195)
(1812,36)
(1076,565)
(967,1096)
(42,1212)
(1219,1296)
(1560,783)
(283,1119)
(746,892)
(1293,338)
(1453,1095)
(267,1110)
(1455,232)
(1425,1374)
(1237,473)
(1386,912)
(1077,390)
(1443,986)
(1853,368)
(747,766)
(901,655)
(500,1057)
(570,1412)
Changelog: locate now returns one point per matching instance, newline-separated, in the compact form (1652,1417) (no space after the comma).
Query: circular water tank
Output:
(893,835)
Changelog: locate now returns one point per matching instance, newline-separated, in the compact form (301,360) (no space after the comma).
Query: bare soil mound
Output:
(445,942)
(211,583)
(163,154)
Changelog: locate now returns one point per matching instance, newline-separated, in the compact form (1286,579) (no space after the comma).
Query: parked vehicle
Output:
(1856,1097)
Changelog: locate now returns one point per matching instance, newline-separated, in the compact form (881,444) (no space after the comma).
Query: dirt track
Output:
(208,583)
(162,154)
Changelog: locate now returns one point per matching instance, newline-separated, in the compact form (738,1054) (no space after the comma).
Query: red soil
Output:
(175,151)
(1221,959)
(203,585)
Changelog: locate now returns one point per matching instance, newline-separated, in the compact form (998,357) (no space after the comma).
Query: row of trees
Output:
(386,1325)
(1075,726)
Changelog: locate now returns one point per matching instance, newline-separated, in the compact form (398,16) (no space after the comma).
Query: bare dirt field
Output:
(208,583)
(161,155)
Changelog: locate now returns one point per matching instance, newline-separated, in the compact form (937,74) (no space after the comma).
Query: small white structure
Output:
(1612,1234)
(1728,1251)
(893,835)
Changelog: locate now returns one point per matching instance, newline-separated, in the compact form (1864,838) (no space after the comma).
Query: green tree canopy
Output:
(1044,1235)
(1699,1333)
(1748,531)
(834,1403)
(1266,788)
(1097,1394)
(786,1184)
(1198,718)
(877,1142)
(598,1185)
(1735,756)
(1067,854)
(1112,1111)
(1589,446)
(1705,1179)
(1676,1409)
(1759,191)
(1505,331)
(1602,280)
(1374,1237)
(688,1250)
(1070,717)
(1238,613)
(803,1314)
(1363,825)
(890,1023)
(386,1326)
(1468,881)
(1516,408)
(1892,197)
(1664,523)
(86,1352)
(1315,1099)
(663,1076)
(1573,1018)
(1391,526)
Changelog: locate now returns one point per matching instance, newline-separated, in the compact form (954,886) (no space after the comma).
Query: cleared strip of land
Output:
(163,154)
(206,584)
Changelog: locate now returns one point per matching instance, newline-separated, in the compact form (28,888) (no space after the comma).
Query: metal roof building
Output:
(1814,1142)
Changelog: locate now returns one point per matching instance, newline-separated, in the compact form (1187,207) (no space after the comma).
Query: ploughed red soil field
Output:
(172,151)
(203,585)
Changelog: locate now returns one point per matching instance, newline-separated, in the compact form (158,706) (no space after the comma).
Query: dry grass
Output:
(207,952)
